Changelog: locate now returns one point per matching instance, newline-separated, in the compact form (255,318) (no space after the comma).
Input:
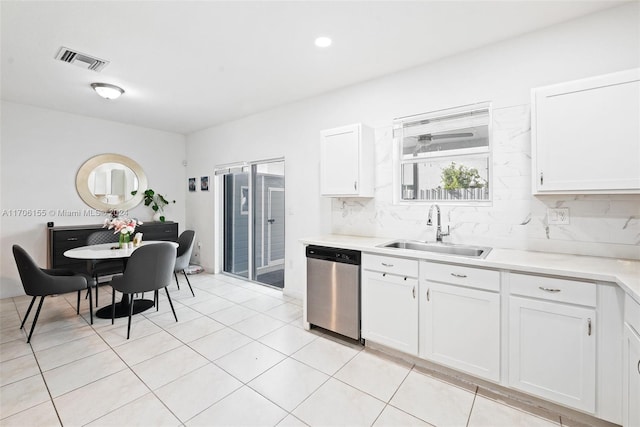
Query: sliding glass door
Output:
(236,223)
(254,221)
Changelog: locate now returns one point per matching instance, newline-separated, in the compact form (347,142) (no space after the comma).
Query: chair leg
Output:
(130,314)
(170,303)
(35,319)
(28,311)
(176,276)
(156,299)
(188,282)
(113,305)
(91,304)
(97,291)
(78,305)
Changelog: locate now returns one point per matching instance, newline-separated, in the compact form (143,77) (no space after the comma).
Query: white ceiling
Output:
(190,65)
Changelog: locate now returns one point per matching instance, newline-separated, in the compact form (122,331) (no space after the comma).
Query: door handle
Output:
(271,221)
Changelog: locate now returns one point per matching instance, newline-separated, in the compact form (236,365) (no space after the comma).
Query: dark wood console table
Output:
(61,239)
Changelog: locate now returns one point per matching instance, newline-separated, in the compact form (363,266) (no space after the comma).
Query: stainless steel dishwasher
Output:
(333,290)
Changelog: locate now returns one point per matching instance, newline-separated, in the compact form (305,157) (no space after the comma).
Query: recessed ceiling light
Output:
(323,42)
(107,91)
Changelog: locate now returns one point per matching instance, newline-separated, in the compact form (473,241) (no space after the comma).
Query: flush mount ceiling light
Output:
(323,41)
(107,91)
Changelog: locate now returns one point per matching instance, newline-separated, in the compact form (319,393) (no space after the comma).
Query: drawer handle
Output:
(589,327)
(386,265)
(72,239)
(462,276)
(552,290)
(384,274)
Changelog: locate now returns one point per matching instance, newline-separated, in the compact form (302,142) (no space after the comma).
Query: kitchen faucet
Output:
(439,233)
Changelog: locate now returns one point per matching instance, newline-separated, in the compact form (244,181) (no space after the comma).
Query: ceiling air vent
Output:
(81,59)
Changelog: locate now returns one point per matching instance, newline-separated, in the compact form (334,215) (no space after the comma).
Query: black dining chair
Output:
(185,248)
(103,267)
(40,282)
(149,269)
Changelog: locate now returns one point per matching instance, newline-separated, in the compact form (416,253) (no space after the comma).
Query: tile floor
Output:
(238,356)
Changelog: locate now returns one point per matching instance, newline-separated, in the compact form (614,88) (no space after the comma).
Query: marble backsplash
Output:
(600,225)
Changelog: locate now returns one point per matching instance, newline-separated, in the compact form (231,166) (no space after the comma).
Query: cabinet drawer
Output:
(554,289)
(392,265)
(632,313)
(460,275)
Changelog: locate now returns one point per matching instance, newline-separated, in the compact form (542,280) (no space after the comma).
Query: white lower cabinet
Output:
(390,304)
(631,362)
(471,319)
(459,325)
(552,351)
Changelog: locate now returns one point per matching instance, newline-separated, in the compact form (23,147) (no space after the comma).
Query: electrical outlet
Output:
(558,216)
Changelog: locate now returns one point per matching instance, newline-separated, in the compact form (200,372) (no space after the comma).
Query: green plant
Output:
(455,177)
(156,200)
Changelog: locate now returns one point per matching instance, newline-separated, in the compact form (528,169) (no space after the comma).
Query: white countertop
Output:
(625,273)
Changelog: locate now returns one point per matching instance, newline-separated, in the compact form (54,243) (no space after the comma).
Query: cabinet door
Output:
(390,310)
(631,379)
(585,135)
(340,161)
(460,328)
(552,351)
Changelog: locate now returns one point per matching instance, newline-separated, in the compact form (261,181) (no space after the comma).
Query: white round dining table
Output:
(106,251)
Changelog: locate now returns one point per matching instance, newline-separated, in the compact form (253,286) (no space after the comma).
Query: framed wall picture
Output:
(192,184)
(204,183)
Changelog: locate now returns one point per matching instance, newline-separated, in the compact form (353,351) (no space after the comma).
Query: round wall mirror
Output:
(105,182)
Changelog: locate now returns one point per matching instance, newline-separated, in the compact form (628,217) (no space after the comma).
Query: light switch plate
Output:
(558,216)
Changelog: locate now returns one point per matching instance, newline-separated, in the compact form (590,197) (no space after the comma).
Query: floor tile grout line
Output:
(473,402)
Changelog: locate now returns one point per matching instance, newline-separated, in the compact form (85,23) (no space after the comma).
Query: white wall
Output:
(503,73)
(41,151)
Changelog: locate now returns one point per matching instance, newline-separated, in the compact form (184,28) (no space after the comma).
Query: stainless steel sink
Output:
(441,248)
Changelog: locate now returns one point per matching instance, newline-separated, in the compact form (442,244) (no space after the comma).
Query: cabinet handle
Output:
(414,292)
(355,185)
(428,299)
(541,178)
(384,274)
(589,326)
(552,290)
(639,366)
(386,265)
(462,276)
(72,239)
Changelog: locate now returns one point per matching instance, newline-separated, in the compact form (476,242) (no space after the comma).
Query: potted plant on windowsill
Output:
(157,202)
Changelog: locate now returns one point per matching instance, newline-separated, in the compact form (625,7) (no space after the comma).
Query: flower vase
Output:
(125,238)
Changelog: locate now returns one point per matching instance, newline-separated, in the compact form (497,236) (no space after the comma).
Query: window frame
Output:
(454,155)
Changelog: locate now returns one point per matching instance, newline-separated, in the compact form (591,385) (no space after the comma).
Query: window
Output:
(444,155)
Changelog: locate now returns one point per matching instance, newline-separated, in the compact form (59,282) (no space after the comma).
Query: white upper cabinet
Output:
(586,135)
(347,161)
